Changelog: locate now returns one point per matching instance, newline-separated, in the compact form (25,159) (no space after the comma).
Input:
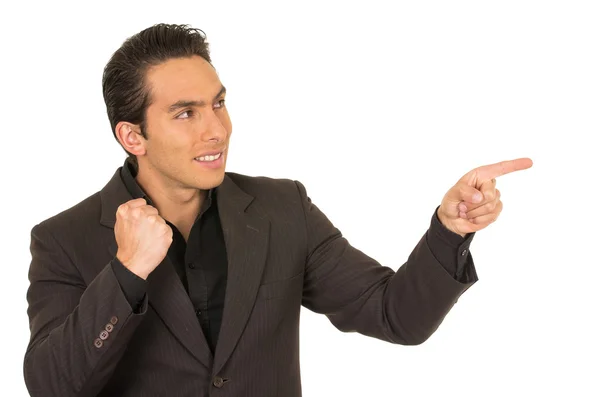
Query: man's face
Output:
(187,118)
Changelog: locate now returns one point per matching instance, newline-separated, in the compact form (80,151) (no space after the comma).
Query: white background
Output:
(378,108)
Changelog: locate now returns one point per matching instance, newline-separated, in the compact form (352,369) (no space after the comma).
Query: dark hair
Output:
(126,94)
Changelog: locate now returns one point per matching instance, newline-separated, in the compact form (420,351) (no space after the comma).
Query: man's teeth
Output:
(208,158)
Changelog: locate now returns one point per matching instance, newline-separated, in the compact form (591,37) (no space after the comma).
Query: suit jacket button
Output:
(98,343)
(114,320)
(109,327)
(218,382)
(104,335)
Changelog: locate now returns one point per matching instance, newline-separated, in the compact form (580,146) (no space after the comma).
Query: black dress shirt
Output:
(202,263)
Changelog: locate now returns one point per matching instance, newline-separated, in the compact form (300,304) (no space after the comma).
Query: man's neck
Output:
(176,204)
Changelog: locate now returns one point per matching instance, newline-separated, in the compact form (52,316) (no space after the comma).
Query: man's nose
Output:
(215,130)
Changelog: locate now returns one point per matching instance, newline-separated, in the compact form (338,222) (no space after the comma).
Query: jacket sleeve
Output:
(78,332)
(358,294)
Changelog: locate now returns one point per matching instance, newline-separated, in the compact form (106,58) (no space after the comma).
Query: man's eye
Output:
(221,103)
(185,115)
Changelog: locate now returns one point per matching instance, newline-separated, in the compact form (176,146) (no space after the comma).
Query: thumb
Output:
(469,194)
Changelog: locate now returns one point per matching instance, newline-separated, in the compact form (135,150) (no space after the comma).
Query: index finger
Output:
(492,171)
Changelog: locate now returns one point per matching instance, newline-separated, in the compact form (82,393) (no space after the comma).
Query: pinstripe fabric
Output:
(282,253)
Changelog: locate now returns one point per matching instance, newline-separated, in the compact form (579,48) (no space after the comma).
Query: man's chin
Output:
(213,182)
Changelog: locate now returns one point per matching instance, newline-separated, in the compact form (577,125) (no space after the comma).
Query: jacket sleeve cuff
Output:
(450,249)
(133,287)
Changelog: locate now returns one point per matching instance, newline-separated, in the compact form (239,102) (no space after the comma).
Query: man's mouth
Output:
(214,161)
(208,159)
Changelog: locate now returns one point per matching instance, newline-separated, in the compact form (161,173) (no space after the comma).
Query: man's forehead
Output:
(187,78)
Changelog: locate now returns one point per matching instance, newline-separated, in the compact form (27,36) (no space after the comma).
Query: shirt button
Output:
(464,253)
(191,265)
(198,313)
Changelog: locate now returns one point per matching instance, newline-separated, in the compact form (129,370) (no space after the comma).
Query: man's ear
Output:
(130,137)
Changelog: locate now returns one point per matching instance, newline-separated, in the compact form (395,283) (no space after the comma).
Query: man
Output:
(181,279)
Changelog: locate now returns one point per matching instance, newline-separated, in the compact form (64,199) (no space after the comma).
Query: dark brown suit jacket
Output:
(283,253)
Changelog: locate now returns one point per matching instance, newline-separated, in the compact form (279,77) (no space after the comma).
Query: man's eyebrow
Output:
(183,103)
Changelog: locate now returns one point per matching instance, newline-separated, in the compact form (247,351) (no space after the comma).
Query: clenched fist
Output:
(143,237)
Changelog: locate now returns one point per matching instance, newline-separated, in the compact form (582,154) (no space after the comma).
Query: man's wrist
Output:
(443,220)
(133,268)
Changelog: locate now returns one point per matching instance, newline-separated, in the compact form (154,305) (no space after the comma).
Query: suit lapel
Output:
(246,234)
(166,294)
